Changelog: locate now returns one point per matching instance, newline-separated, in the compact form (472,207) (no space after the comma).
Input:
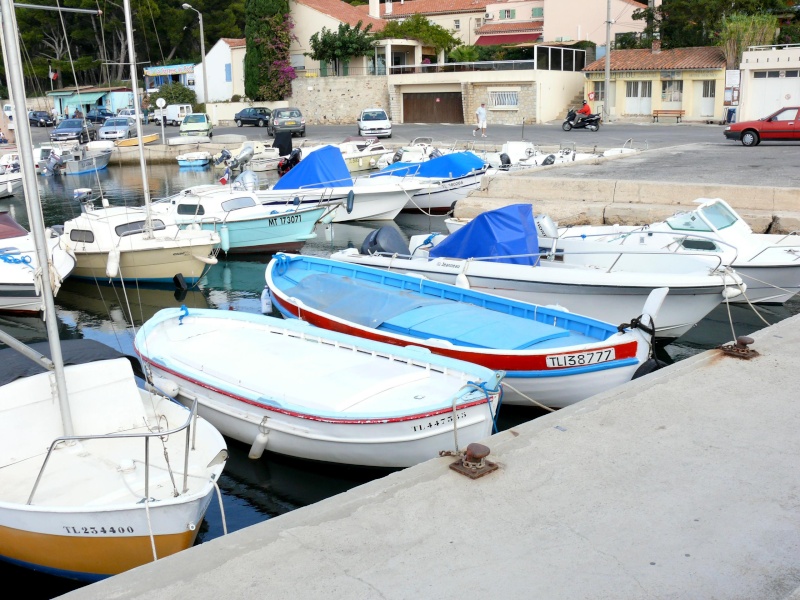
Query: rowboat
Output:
(193,159)
(302,391)
(550,356)
(134,141)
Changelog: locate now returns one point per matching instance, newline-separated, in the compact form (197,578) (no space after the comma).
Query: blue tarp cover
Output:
(447,166)
(505,232)
(319,169)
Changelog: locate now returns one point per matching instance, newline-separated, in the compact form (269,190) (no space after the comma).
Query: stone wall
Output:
(338,100)
(524,112)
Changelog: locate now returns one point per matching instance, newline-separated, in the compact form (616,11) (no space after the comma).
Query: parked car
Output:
(117,128)
(74,129)
(253,116)
(99,115)
(782,125)
(172,114)
(40,118)
(196,124)
(287,119)
(130,113)
(374,122)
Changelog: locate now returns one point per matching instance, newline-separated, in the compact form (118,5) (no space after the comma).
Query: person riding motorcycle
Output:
(583,112)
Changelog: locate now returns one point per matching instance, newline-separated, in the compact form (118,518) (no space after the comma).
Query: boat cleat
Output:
(740,348)
(472,461)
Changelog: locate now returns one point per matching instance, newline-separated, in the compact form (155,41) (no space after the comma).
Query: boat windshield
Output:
(717,214)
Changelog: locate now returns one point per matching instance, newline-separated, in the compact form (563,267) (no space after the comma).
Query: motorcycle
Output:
(590,122)
(286,163)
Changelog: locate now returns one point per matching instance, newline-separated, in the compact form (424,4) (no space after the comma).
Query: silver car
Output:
(117,128)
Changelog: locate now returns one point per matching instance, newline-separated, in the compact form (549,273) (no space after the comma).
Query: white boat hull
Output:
(439,197)
(323,396)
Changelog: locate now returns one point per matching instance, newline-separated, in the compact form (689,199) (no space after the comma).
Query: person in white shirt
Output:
(480,115)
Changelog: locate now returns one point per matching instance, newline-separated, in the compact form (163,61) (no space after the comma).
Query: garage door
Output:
(442,107)
(774,90)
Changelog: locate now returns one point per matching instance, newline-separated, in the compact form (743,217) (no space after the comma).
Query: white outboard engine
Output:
(53,165)
(246,181)
(243,157)
(545,226)
(84,196)
(224,156)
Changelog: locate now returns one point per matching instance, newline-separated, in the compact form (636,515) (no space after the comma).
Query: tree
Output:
(174,93)
(343,45)
(417,27)
(268,71)
(464,54)
(741,31)
(688,23)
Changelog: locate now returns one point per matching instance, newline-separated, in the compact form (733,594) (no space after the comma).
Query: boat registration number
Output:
(579,359)
(284,220)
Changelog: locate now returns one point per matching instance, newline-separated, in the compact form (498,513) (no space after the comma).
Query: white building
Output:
(770,79)
(225,66)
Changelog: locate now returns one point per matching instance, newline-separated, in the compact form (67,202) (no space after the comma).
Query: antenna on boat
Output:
(148,219)
(13,64)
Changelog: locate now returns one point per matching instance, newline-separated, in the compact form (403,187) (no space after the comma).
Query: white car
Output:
(374,122)
(129,112)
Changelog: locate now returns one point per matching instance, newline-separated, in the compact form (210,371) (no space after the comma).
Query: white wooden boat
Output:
(768,263)
(499,253)
(419,150)
(302,391)
(97,476)
(550,356)
(19,284)
(84,160)
(9,162)
(359,153)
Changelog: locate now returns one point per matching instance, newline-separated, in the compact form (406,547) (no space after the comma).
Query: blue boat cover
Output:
(508,232)
(319,169)
(447,166)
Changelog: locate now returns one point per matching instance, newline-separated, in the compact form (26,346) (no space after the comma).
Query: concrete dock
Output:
(682,484)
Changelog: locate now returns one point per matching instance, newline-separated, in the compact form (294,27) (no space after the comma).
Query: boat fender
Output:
(259,445)
(351,198)
(180,282)
(112,264)
(166,386)
(462,281)
(266,302)
(648,366)
(549,160)
(225,238)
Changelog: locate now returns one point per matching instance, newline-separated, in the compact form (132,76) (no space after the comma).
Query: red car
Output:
(782,125)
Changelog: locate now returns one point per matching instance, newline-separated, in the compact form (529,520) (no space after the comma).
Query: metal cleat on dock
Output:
(472,461)
(740,348)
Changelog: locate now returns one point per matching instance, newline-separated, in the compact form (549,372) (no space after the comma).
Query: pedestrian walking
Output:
(480,116)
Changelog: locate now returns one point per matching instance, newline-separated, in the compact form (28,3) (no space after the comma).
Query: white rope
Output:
(528,398)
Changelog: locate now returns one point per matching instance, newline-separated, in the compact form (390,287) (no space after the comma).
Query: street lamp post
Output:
(202,51)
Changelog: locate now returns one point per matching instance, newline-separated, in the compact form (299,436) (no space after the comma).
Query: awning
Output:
(84,97)
(512,38)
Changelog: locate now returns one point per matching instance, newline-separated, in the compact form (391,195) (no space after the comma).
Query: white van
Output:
(172,114)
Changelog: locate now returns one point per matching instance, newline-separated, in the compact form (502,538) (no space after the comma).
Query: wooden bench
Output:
(672,112)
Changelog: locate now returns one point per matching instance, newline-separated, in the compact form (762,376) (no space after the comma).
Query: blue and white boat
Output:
(449,178)
(302,391)
(194,159)
(550,356)
(323,176)
(244,224)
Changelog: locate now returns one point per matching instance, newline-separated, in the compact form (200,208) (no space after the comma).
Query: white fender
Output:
(112,264)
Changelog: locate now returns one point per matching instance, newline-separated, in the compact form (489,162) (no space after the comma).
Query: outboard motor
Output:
(224,156)
(398,156)
(435,153)
(549,160)
(505,162)
(84,196)
(285,164)
(246,181)
(53,165)
(545,226)
(387,240)
(243,157)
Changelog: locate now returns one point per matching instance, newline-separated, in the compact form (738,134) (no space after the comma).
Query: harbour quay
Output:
(679,484)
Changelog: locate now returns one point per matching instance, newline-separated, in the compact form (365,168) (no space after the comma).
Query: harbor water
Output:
(252,490)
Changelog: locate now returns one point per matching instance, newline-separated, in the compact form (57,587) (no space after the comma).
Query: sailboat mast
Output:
(148,223)
(13,64)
